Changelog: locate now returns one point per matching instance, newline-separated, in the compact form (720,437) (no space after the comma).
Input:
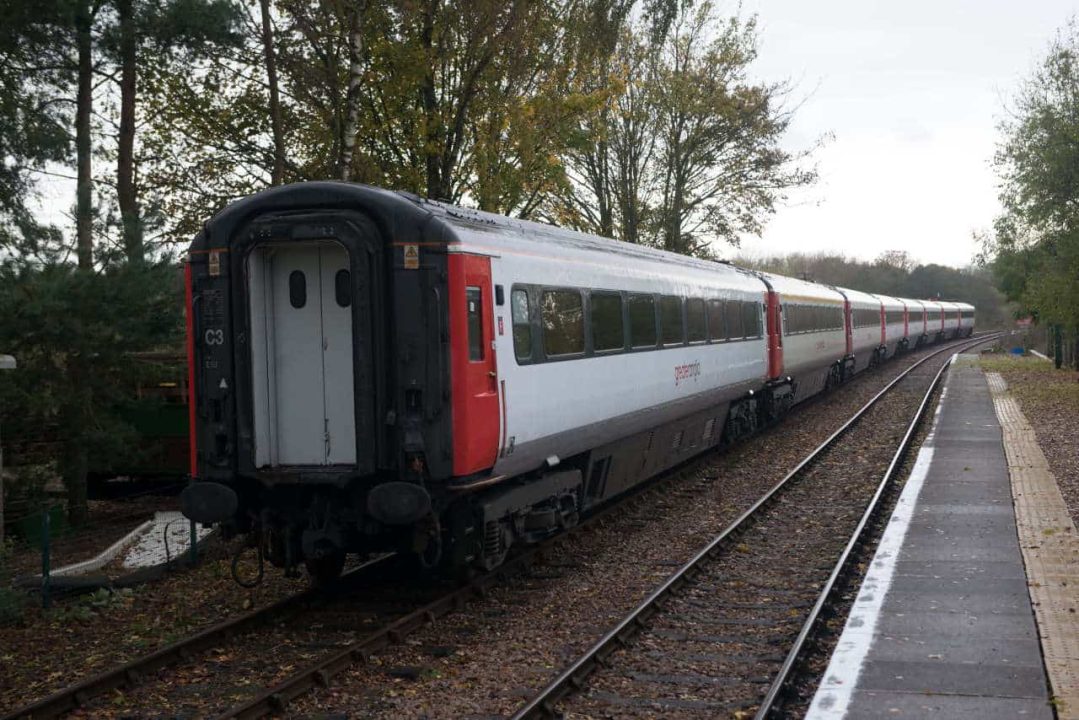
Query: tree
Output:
(687,151)
(75,333)
(972,284)
(276,125)
(32,120)
(1034,249)
(157,31)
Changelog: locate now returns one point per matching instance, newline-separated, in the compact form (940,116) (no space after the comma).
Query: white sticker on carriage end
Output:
(836,690)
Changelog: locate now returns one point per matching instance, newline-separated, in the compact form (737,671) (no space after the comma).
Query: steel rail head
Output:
(771,702)
(541,704)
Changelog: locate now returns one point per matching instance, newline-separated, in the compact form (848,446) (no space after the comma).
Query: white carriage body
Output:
(566,405)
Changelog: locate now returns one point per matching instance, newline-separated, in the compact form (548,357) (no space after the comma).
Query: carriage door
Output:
(302,356)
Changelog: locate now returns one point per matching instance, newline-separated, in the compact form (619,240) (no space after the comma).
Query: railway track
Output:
(133,673)
(724,633)
(380,622)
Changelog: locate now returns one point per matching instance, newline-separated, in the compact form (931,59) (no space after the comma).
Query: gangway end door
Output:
(302,356)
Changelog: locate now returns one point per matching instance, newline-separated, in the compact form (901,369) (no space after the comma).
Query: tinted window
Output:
(716,328)
(696,328)
(522,328)
(752,319)
(342,288)
(732,311)
(297,289)
(642,320)
(670,318)
(563,322)
(795,323)
(607,330)
(865,317)
(475,323)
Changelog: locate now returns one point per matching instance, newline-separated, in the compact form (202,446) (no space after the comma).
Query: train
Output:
(374,371)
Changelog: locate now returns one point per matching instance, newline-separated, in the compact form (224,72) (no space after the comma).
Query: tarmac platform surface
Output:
(943,624)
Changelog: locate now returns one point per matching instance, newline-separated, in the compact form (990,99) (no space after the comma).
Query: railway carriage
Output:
(917,322)
(966,319)
(952,322)
(896,337)
(814,337)
(866,328)
(934,320)
(373,371)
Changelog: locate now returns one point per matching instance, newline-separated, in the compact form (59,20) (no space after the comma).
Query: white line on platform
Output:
(832,699)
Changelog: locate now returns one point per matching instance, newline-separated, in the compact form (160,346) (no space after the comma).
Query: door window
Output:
(474,297)
(342,288)
(297,289)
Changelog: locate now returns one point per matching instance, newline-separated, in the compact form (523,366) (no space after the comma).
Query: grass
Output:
(1039,386)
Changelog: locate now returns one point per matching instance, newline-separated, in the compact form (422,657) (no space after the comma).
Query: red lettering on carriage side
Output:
(686,372)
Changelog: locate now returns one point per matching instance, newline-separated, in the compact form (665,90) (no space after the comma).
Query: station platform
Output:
(943,625)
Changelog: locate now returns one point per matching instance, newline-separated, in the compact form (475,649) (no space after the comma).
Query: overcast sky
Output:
(912,92)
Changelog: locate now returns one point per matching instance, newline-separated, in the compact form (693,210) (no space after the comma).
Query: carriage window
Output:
(752,317)
(522,327)
(607,330)
(642,320)
(297,289)
(563,322)
(696,327)
(475,323)
(716,330)
(342,289)
(733,312)
(670,315)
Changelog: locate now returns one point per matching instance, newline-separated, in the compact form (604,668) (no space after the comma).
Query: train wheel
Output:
(324,570)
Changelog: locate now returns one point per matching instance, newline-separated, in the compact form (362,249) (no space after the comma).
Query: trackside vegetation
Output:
(637,119)
(1033,249)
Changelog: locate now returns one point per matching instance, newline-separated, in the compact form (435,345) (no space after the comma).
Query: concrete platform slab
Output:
(941,677)
(890,705)
(955,649)
(956,625)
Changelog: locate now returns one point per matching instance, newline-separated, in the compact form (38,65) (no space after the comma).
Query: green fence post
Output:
(46,521)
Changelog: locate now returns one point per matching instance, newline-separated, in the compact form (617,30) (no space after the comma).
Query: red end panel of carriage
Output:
(774,325)
(473,370)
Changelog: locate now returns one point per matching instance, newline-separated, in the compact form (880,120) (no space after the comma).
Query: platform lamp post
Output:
(6,363)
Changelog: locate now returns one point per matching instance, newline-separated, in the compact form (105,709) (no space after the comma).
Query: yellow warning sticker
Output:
(412,257)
